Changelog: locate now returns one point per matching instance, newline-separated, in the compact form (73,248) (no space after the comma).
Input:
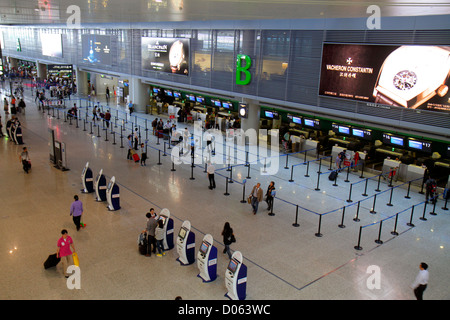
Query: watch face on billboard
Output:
(413,77)
(96,49)
(169,55)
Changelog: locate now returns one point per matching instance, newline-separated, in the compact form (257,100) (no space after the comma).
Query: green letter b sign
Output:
(240,70)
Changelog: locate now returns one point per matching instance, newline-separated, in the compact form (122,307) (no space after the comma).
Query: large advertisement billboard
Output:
(51,45)
(96,49)
(169,55)
(413,77)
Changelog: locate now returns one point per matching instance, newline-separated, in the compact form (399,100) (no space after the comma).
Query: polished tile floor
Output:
(284,262)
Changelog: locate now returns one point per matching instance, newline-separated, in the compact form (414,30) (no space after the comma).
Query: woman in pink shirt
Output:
(64,252)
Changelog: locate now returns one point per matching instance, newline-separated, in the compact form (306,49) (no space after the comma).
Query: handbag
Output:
(233,238)
(249,199)
(76,261)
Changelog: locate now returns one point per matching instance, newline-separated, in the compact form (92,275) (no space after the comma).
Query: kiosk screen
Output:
(204,247)
(182,233)
(163,218)
(232,265)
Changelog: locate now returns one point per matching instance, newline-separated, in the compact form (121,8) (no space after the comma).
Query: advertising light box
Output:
(96,49)
(51,45)
(170,55)
(413,77)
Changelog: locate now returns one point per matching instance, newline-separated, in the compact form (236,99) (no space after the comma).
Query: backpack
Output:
(432,185)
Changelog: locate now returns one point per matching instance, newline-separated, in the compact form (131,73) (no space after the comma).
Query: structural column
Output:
(139,95)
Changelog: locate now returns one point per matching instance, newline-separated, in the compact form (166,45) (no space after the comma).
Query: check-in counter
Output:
(414,172)
(173,111)
(400,174)
(310,144)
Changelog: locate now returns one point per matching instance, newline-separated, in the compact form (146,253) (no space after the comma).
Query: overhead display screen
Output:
(169,55)
(51,45)
(96,49)
(413,77)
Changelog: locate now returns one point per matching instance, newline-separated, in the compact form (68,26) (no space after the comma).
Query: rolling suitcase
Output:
(333,175)
(142,243)
(136,157)
(51,261)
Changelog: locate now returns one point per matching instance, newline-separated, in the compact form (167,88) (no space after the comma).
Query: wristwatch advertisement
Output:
(169,55)
(413,77)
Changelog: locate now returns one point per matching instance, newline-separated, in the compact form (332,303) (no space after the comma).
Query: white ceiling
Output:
(126,11)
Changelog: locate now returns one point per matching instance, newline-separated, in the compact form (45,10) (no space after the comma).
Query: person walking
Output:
(159,236)
(421,282)
(228,238)
(63,252)
(269,196)
(256,197)
(76,211)
(151,227)
(25,159)
(210,172)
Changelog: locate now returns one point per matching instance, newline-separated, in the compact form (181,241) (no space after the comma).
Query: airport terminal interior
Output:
(343,107)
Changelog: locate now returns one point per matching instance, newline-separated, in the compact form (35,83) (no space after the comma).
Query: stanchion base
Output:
(423,219)
(318,235)
(356,219)
(389,204)
(372,212)
(226,194)
(357,247)
(444,208)
(349,200)
(243,201)
(341,226)
(306,175)
(394,233)
(378,241)
(364,194)
(433,213)
(191,178)
(295,225)
(317,189)
(406,197)
(289,180)
(173,170)
(271,214)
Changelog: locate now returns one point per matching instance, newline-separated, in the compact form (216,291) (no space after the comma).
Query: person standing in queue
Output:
(269,196)
(210,172)
(76,211)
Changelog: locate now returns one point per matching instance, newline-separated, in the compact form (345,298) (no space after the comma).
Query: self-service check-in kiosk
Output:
(100,187)
(186,244)
(87,179)
(207,259)
(112,195)
(168,229)
(236,277)
(17,134)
